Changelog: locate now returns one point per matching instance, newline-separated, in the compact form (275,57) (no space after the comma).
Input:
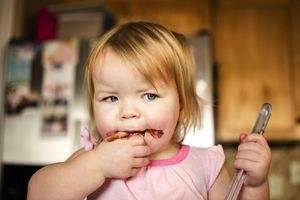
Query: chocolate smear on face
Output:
(123,134)
(155,133)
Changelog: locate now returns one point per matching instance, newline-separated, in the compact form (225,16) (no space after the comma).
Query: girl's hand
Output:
(122,158)
(254,157)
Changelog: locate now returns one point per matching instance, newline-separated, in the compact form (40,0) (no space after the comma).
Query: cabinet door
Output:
(253,55)
(295,41)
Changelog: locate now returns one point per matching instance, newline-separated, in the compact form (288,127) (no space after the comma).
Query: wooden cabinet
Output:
(295,46)
(253,53)
(187,17)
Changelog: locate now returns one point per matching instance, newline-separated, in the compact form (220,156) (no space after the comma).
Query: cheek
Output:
(102,121)
(166,117)
(163,122)
(166,120)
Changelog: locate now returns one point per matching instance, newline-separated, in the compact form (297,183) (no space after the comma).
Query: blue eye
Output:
(110,99)
(150,96)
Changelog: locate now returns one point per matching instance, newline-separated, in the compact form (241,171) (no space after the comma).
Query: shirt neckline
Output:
(181,155)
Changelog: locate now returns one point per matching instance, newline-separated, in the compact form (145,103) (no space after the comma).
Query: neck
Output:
(166,153)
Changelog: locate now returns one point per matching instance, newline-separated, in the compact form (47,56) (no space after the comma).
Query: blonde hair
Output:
(159,55)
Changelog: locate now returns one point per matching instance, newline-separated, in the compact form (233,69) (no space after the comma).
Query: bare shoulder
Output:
(220,186)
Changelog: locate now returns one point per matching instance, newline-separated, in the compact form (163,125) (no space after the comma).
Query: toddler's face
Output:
(125,101)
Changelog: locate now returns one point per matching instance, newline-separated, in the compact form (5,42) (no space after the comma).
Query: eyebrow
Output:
(104,90)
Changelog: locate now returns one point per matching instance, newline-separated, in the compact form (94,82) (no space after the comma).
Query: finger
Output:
(134,171)
(257,138)
(141,151)
(244,159)
(118,135)
(148,138)
(140,162)
(245,164)
(249,156)
(259,150)
(256,143)
(110,134)
(110,138)
(251,168)
(242,137)
(137,140)
(121,134)
(251,146)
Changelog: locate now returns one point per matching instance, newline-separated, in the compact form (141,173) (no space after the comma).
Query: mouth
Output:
(132,133)
(153,132)
(126,134)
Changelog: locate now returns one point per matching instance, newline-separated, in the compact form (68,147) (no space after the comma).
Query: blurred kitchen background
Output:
(247,53)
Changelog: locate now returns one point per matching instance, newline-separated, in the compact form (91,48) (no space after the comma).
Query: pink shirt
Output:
(188,175)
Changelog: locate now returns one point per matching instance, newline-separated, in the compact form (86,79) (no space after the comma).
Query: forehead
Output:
(109,61)
(152,70)
(110,67)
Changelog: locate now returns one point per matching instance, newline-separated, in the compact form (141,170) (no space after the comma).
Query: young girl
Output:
(142,100)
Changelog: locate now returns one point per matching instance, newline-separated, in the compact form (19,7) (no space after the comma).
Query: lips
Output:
(125,134)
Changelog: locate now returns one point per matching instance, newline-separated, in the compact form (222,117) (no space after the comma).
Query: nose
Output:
(129,112)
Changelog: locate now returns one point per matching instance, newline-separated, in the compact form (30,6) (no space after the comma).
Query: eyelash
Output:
(110,99)
(146,96)
(150,96)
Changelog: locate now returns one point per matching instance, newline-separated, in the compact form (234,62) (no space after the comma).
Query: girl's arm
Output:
(84,172)
(73,179)
(220,186)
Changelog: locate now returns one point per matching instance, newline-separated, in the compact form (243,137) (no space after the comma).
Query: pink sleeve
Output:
(216,158)
(86,140)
